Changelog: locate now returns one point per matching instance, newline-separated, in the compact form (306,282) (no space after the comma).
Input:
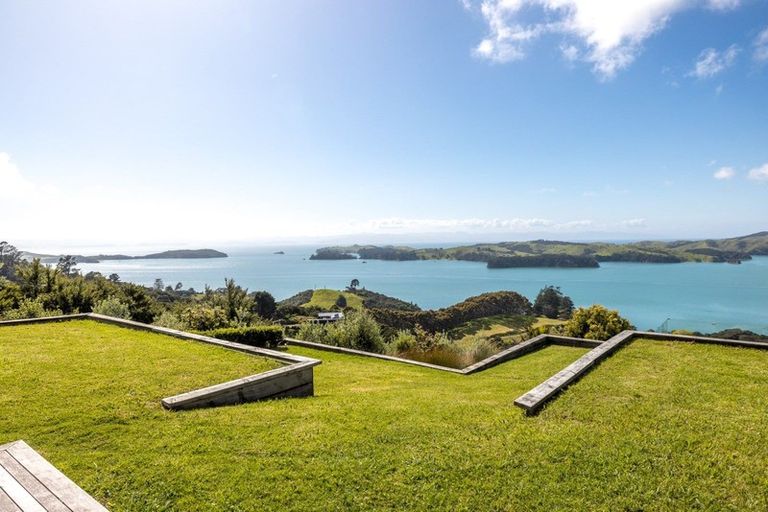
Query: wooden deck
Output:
(29,483)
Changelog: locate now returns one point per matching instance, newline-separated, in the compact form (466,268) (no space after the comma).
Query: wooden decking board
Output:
(34,485)
(18,494)
(41,493)
(7,504)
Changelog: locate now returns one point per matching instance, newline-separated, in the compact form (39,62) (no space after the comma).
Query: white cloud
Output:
(759,173)
(724,173)
(723,5)
(12,184)
(634,223)
(761,46)
(608,34)
(711,62)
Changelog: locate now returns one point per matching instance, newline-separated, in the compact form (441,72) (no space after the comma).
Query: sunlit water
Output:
(695,295)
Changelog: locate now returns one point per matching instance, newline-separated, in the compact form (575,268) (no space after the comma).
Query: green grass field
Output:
(658,426)
(325,298)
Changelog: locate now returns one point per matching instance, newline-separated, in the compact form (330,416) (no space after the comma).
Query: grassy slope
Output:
(326,299)
(659,426)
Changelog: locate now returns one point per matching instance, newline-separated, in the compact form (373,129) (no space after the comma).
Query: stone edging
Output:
(535,399)
(296,378)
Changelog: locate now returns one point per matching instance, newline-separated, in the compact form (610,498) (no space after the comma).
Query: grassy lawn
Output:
(659,426)
(326,299)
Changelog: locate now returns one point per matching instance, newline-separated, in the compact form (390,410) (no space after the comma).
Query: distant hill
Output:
(551,253)
(167,255)
(324,298)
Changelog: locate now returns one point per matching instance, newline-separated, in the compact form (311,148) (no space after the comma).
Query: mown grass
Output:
(659,426)
(326,299)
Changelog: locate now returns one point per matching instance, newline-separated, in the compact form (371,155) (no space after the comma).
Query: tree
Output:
(159,285)
(552,303)
(354,284)
(114,278)
(66,265)
(595,323)
(264,304)
(341,301)
(139,303)
(31,275)
(235,299)
(9,259)
(178,286)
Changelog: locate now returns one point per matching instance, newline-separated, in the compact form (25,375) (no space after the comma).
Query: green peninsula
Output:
(551,253)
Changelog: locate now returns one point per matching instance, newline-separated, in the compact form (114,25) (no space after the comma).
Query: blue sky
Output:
(243,122)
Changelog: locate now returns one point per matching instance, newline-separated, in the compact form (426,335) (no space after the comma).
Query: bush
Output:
(265,336)
(201,317)
(170,321)
(357,330)
(31,308)
(595,323)
(112,306)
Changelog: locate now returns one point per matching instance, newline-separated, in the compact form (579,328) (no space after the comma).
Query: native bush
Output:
(265,336)
(595,323)
(31,308)
(112,306)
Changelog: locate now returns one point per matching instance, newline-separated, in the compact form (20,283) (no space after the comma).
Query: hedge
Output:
(265,336)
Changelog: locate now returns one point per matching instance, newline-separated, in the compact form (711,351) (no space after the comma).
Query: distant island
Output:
(550,253)
(165,255)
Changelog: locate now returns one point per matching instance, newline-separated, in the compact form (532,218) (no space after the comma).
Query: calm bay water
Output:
(702,296)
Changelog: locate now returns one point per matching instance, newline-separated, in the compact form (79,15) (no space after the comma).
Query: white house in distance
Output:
(331,316)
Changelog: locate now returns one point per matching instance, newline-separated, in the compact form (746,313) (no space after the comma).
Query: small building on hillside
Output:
(331,316)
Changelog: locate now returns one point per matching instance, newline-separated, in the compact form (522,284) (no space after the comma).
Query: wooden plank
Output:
(294,380)
(56,482)
(18,494)
(514,352)
(41,493)
(535,399)
(7,504)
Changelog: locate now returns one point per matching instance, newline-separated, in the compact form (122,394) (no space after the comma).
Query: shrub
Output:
(170,320)
(112,306)
(357,330)
(31,308)
(201,317)
(595,323)
(265,336)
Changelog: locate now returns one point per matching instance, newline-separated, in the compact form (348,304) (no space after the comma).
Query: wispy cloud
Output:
(759,173)
(712,62)
(398,225)
(724,5)
(606,34)
(724,173)
(760,44)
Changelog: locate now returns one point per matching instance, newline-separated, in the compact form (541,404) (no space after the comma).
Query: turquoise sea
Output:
(702,296)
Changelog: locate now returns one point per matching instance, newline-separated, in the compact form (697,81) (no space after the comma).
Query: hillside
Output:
(326,299)
(176,254)
(550,253)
